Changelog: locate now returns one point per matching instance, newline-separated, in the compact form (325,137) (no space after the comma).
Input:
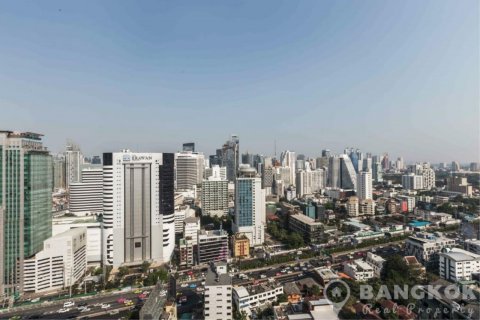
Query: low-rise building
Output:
(358,270)
(185,253)
(366,207)
(191,227)
(249,297)
(240,246)
(472,245)
(458,264)
(352,206)
(212,246)
(218,293)
(376,262)
(426,247)
(311,230)
(325,275)
(61,263)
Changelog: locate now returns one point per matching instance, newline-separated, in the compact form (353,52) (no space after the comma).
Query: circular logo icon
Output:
(337,292)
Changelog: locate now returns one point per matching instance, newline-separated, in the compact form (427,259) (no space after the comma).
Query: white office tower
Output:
(364,185)
(426,171)
(399,164)
(86,197)
(138,207)
(215,194)
(250,206)
(309,182)
(216,170)
(412,181)
(61,263)
(284,174)
(288,159)
(73,164)
(189,169)
(218,293)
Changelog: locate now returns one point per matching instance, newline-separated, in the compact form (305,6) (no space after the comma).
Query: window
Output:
(138,244)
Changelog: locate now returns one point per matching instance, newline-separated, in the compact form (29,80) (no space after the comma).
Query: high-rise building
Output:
(326,153)
(385,162)
(364,185)
(475,166)
(455,166)
(334,172)
(289,160)
(250,206)
(348,176)
(73,163)
(26,183)
(230,156)
(215,194)
(59,172)
(189,169)
(309,181)
(96,160)
(424,170)
(86,196)
(216,170)
(188,147)
(412,181)
(377,172)
(138,207)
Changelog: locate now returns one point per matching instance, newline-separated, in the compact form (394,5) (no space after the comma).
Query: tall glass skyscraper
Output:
(26,184)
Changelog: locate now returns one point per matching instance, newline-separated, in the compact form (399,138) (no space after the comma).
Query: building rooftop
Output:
(326,273)
(305,219)
(191,220)
(214,279)
(460,255)
(256,289)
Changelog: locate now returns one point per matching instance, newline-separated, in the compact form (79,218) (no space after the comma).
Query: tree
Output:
(282,298)
(123,271)
(145,266)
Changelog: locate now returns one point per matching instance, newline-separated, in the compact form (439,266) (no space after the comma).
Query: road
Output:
(50,311)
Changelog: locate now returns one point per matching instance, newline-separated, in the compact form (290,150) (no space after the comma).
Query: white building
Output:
(73,162)
(289,159)
(216,170)
(246,298)
(412,181)
(376,262)
(309,181)
(358,270)
(86,196)
(191,227)
(458,264)
(426,246)
(181,213)
(364,185)
(138,207)
(189,169)
(215,194)
(94,234)
(218,293)
(60,264)
(250,208)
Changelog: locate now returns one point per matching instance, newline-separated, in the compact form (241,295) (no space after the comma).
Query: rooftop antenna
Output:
(275,147)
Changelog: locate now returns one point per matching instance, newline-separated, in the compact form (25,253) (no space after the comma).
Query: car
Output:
(113,312)
(184,285)
(86,309)
(278,274)
(142,296)
(63,310)
(146,292)
(289,271)
(105,306)
(68,304)
(129,303)
(203,283)
(192,286)
(98,304)
(121,300)
(82,304)
(138,291)
(200,289)
(35,300)
(262,276)
(183,299)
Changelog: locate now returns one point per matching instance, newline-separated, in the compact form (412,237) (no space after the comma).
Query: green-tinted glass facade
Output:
(38,201)
(25,191)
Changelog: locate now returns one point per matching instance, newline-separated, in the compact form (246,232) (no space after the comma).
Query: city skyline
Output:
(398,77)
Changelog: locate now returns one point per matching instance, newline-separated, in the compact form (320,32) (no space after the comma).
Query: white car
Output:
(63,310)
(85,309)
(184,285)
(105,306)
(68,304)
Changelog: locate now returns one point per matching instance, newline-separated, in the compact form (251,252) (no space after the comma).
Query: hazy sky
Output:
(397,76)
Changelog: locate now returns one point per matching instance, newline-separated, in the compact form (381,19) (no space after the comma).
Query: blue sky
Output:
(384,76)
